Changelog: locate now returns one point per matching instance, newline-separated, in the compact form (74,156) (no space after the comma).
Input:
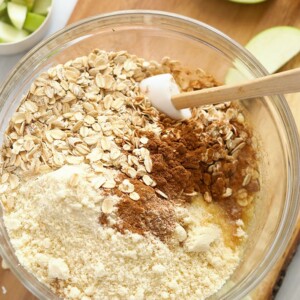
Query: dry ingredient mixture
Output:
(107,198)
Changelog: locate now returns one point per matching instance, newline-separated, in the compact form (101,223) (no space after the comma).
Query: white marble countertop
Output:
(290,289)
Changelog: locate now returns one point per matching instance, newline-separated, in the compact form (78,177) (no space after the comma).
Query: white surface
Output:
(290,288)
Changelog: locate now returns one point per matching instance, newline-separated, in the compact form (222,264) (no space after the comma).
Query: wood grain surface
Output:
(241,22)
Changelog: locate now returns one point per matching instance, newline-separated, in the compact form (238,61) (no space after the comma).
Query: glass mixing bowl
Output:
(153,35)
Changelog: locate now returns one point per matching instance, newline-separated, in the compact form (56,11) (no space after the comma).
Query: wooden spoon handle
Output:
(280,83)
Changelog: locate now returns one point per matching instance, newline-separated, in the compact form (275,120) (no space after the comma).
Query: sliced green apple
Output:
(10,34)
(247,1)
(28,3)
(42,6)
(33,21)
(3,6)
(17,14)
(5,19)
(273,47)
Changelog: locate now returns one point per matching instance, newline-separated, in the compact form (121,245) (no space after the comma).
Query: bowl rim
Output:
(281,105)
(32,34)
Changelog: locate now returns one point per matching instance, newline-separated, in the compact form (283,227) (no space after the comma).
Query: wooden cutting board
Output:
(241,22)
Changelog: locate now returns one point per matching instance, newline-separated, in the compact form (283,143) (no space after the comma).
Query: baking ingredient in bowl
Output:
(98,186)
(71,247)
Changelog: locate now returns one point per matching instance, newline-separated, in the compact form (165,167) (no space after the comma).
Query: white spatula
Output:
(164,93)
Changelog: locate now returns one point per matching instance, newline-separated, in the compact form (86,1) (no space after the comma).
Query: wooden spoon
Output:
(280,83)
(164,94)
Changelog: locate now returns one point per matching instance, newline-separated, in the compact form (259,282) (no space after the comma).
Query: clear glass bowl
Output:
(153,35)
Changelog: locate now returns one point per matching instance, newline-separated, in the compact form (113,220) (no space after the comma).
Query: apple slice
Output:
(28,3)
(5,18)
(10,34)
(247,1)
(42,6)
(33,21)
(273,47)
(3,6)
(17,14)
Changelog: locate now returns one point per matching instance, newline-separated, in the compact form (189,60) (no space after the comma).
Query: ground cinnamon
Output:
(149,214)
(189,157)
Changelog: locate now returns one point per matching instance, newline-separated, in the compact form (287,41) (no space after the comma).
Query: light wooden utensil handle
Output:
(280,83)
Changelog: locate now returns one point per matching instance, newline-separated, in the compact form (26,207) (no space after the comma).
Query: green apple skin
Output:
(41,7)
(33,21)
(5,18)
(28,3)
(3,7)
